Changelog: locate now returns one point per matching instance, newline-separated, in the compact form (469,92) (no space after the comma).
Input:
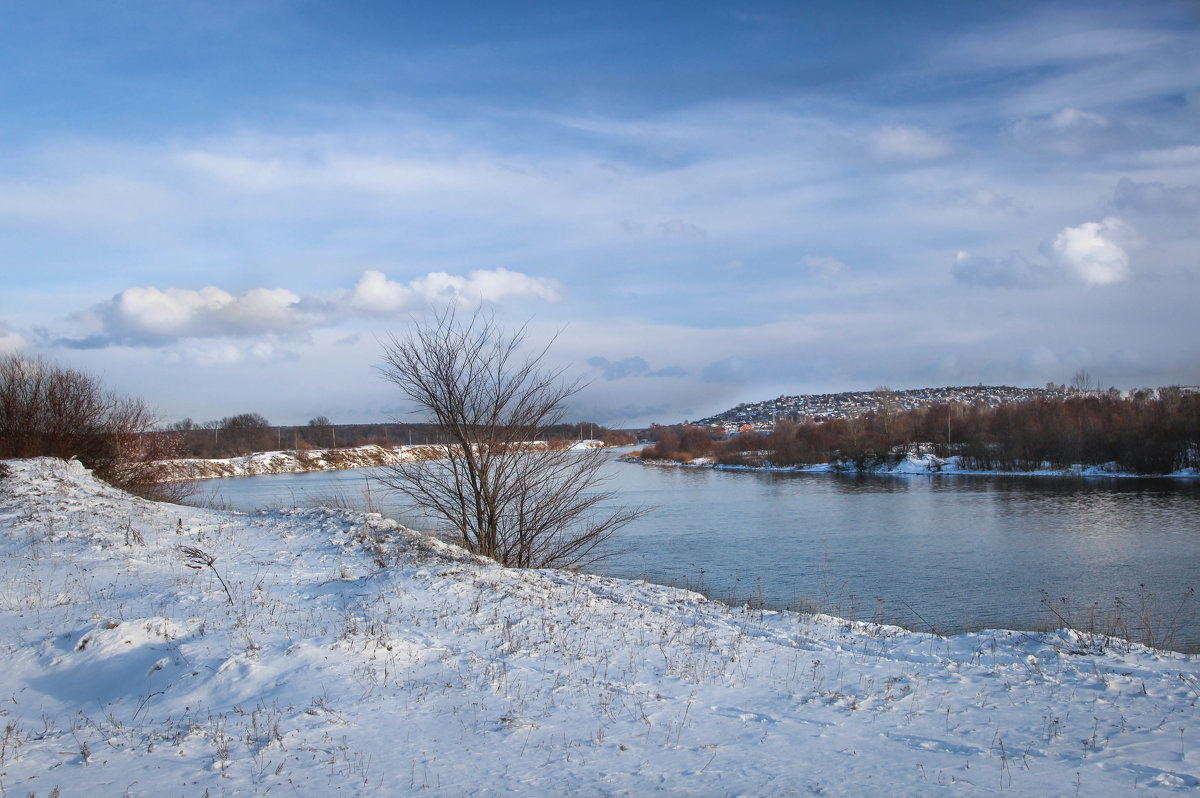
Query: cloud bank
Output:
(149,316)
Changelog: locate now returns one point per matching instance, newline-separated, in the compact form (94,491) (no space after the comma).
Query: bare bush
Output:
(49,410)
(507,497)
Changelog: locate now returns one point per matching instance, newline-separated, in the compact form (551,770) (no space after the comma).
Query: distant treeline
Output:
(247,433)
(1147,433)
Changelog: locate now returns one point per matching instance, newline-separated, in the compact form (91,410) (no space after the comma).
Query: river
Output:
(945,553)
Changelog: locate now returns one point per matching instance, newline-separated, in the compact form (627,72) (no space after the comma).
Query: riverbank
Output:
(926,464)
(293,462)
(303,461)
(149,648)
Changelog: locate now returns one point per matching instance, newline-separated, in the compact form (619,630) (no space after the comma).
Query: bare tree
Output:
(506,495)
(1084,382)
(888,405)
(325,426)
(50,410)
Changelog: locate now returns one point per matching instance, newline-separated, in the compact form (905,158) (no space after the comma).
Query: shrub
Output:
(47,410)
(521,505)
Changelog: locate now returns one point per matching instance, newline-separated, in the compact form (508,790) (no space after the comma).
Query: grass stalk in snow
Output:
(196,558)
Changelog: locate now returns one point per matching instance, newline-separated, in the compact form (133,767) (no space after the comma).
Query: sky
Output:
(228,208)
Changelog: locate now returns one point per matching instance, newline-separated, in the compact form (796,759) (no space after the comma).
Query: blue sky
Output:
(225,207)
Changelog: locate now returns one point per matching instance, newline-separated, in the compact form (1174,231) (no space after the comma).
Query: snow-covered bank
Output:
(922,464)
(352,655)
(295,462)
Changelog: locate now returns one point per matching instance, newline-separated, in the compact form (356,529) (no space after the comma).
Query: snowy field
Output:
(331,651)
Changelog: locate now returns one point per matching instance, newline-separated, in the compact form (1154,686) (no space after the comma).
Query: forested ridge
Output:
(1144,433)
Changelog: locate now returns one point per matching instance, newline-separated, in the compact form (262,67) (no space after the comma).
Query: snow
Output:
(293,462)
(362,658)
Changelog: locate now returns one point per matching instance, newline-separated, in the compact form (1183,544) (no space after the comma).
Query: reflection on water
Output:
(950,553)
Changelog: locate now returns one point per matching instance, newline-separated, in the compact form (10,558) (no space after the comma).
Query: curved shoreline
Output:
(926,465)
(300,462)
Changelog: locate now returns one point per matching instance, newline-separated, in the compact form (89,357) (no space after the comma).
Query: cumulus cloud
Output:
(906,143)
(669,371)
(150,316)
(629,367)
(1154,197)
(376,293)
(1091,252)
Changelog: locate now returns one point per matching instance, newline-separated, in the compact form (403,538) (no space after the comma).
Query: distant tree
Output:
(323,431)
(888,404)
(1083,382)
(246,433)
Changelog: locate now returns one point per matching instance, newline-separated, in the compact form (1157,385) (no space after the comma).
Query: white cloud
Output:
(152,316)
(218,353)
(375,293)
(1092,253)
(907,143)
(10,341)
(1070,132)
(140,316)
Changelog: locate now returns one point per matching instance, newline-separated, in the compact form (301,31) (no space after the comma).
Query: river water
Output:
(946,553)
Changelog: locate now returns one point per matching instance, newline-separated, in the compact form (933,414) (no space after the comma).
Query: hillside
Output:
(765,413)
(152,649)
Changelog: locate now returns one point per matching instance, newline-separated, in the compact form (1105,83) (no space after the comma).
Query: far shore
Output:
(913,465)
(306,460)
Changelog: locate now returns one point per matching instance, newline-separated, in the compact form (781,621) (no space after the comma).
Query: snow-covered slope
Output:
(350,655)
(294,462)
